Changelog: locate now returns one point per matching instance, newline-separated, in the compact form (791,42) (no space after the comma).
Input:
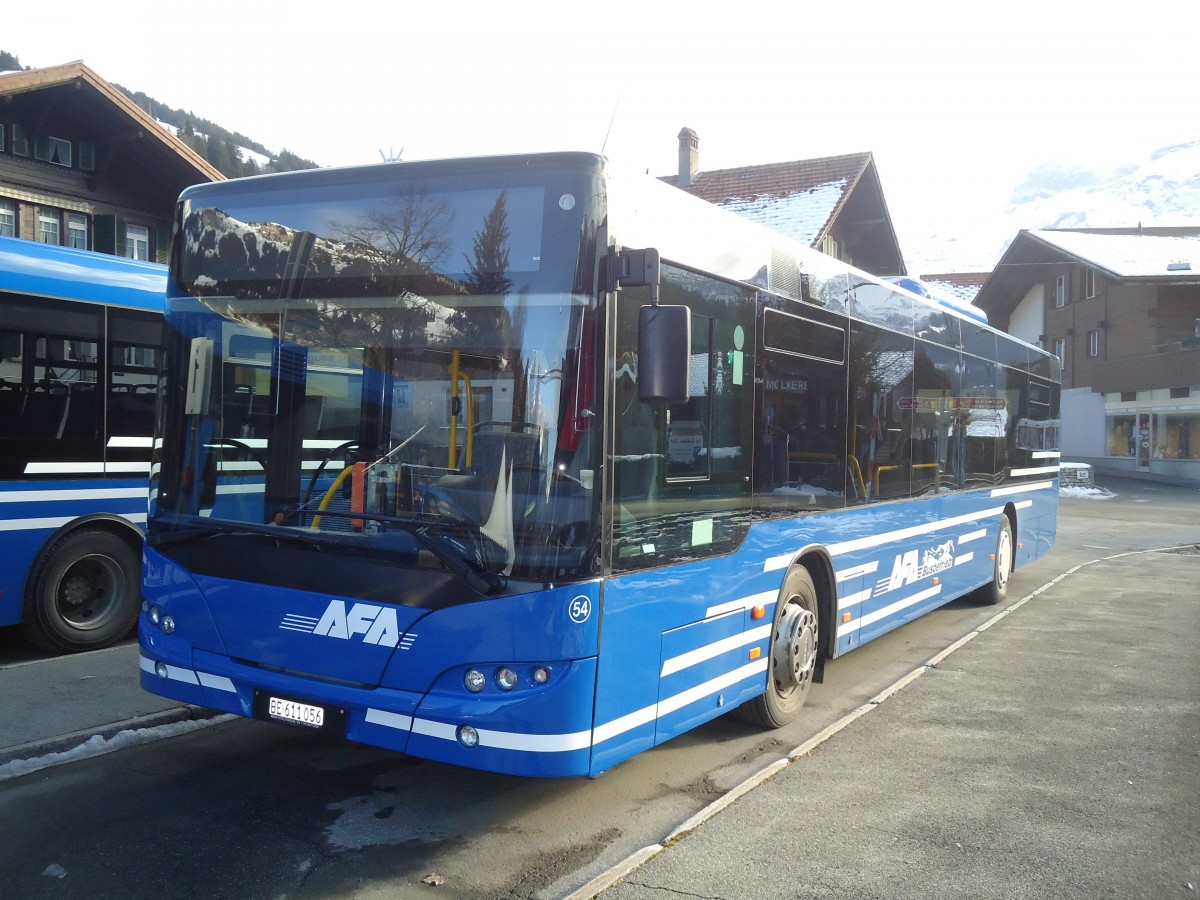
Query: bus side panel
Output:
(675,650)
(20,545)
(709,668)
(1036,526)
(31,512)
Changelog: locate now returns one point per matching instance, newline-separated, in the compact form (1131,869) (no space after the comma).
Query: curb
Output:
(63,742)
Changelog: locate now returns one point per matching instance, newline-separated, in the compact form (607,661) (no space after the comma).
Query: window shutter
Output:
(41,148)
(87,156)
(20,144)
(2,144)
(162,245)
(104,234)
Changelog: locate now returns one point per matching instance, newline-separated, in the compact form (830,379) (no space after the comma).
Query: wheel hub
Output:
(795,648)
(1003,559)
(88,595)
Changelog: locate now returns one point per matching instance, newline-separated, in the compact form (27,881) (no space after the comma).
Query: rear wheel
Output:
(996,590)
(794,646)
(84,594)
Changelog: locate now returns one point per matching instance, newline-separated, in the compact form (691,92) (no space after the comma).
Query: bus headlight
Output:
(541,675)
(160,669)
(155,615)
(168,624)
(468,736)
(474,681)
(506,678)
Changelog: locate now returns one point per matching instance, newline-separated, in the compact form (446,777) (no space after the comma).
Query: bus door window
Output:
(937,419)
(983,423)
(881,383)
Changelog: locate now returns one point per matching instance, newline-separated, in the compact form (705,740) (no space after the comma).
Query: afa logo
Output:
(377,624)
(916,565)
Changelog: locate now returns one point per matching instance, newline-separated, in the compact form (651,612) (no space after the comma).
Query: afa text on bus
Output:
(524,465)
(79,339)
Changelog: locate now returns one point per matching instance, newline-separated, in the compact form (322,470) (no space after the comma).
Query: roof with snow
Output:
(1123,254)
(1152,255)
(810,199)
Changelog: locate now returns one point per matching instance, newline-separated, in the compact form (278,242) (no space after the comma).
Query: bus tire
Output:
(83,594)
(996,590)
(795,643)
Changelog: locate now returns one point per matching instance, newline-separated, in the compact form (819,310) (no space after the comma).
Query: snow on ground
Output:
(1086,493)
(97,745)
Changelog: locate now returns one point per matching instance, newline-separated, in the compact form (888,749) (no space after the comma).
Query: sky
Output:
(957,101)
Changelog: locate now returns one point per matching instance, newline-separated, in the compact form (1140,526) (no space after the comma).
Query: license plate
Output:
(298,713)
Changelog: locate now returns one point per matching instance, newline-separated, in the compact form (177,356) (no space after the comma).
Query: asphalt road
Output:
(246,809)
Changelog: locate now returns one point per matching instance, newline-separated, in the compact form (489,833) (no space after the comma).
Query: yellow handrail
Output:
(337,482)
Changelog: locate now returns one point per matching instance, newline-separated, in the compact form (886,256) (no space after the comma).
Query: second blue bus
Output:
(79,345)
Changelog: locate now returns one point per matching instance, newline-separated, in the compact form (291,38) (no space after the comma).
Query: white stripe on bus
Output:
(56,522)
(764,599)
(1040,470)
(509,740)
(715,649)
(87,468)
(890,610)
(856,571)
(51,496)
(782,561)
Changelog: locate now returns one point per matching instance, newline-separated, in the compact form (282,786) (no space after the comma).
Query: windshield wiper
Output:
(207,528)
(427,532)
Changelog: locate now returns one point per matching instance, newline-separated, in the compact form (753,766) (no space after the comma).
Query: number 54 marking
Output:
(580,609)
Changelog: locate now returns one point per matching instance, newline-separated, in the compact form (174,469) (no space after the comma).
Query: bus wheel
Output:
(84,593)
(996,590)
(794,643)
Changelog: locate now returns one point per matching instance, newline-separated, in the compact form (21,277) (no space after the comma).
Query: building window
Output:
(137,242)
(1173,436)
(1060,291)
(1094,343)
(8,218)
(1128,396)
(1181,393)
(49,227)
(1089,283)
(1060,348)
(1121,435)
(77,231)
(20,143)
(53,150)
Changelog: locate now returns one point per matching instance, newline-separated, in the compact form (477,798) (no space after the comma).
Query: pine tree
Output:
(488,271)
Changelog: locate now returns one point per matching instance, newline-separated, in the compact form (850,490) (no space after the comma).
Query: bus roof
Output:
(44,270)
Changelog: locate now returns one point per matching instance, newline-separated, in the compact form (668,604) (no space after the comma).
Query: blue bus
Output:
(527,465)
(79,338)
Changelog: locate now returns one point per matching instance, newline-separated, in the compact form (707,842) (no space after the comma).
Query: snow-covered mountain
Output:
(1162,191)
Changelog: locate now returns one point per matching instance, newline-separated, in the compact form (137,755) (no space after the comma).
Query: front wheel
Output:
(84,594)
(795,639)
(996,590)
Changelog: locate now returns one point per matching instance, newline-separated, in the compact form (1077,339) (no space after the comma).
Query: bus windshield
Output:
(385,370)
